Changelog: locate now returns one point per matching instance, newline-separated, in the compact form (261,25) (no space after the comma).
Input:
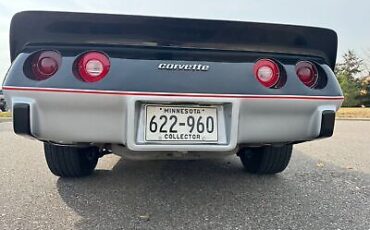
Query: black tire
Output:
(65,161)
(266,160)
(3,107)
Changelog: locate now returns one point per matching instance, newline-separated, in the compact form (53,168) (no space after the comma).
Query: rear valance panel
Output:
(64,28)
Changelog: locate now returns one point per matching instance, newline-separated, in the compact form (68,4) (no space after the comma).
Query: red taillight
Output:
(267,72)
(307,73)
(93,66)
(45,64)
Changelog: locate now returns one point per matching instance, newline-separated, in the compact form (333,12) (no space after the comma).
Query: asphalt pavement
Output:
(326,186)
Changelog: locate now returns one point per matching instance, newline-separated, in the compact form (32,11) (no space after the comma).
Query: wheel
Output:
(3,107)
(65,161)
(265,160)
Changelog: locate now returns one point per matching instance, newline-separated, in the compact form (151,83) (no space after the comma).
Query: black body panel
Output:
(81,29)
(144,76)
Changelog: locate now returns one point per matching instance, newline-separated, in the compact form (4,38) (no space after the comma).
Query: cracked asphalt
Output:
(326,186)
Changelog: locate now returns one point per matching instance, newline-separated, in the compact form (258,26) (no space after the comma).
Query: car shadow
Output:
(217,194)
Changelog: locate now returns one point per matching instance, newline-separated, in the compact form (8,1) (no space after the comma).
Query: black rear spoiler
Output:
(65,28)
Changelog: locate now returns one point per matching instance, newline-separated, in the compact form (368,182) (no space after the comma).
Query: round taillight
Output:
(45,64)
(93,66)
(307,73)
(267,72)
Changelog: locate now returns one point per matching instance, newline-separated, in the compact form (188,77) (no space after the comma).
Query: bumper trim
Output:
(171,94)
(247,121)
(21,119)
(327,123)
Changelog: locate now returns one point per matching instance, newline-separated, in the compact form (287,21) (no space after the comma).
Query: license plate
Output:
(182,124)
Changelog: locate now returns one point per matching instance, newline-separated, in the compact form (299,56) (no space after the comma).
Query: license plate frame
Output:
(187,136)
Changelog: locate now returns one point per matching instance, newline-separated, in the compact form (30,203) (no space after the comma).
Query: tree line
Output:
(354,78)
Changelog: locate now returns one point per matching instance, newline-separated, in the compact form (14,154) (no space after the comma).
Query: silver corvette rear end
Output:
(155,88)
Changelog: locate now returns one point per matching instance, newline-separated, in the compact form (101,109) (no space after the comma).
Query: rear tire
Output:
(65,161)
(266,160)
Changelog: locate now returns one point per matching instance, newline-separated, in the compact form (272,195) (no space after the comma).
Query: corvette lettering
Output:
(184,67)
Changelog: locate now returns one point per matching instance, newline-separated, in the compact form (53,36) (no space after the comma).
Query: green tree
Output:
(365,91)
(346,72)
(351,64)
(367,60)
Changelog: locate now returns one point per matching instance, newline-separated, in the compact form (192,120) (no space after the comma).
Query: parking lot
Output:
(326,186)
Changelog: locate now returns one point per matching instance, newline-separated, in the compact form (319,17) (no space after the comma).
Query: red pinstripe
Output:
(130,93)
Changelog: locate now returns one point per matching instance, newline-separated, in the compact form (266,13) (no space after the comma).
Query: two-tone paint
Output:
(66,110)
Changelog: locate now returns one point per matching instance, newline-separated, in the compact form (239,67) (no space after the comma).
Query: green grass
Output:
(353,113)
(5,114)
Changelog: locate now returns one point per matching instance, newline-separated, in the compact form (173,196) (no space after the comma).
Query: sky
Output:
(350,19)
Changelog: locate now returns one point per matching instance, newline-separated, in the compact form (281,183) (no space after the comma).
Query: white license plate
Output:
(181,124)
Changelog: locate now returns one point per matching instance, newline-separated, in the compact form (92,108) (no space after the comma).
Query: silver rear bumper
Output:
(76,116)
